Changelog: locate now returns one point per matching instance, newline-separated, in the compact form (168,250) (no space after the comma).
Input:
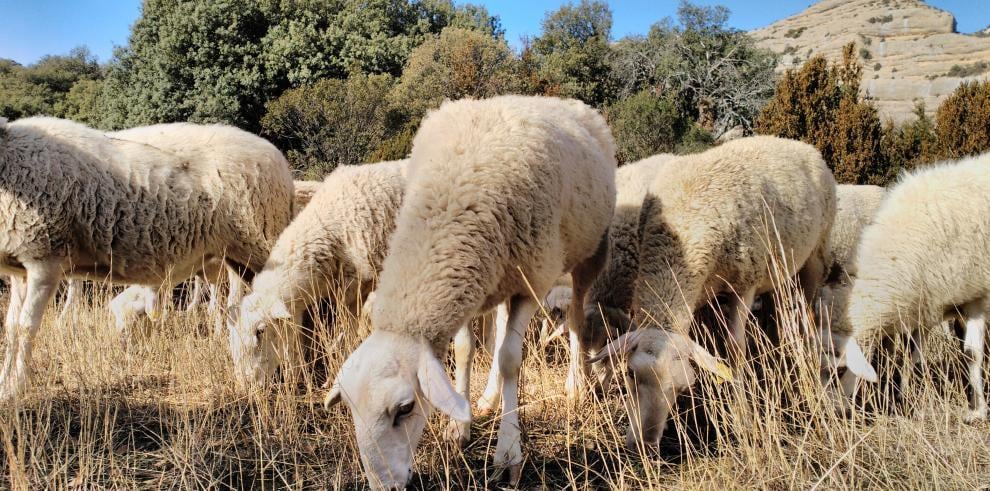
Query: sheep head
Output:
(392,383)
(660,365)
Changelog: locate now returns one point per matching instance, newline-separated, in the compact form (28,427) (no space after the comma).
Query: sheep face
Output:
(392,383)
(253,339)
(661,364)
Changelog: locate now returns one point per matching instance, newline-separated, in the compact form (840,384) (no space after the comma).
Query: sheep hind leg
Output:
(973,346)
(582,276)
(460,432)
(508,356)
(16,301)
(43,278)
(490,397)
(737,328)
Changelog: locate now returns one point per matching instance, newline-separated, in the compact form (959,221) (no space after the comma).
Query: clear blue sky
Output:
(32,28)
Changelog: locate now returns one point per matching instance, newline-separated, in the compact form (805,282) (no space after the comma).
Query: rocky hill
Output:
(911,51)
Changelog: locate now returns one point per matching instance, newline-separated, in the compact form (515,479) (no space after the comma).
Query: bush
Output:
(963,121)
(697,139)
(908,146)
(645,124)
(819,104)
(968,70)
(330,123)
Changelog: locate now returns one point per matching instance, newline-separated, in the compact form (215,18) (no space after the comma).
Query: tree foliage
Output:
(330,123)
(646,124)
(963,121)
(721,76)
(41,88)
(820,104)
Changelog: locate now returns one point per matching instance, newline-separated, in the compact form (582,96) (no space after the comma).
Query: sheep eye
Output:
(403,410)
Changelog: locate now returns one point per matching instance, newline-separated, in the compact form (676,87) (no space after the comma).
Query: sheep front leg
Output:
(582,277)
(973,346)
(490,397)
(741,306)
(459,432)
(17,287)
(196,296)
(43,278)
(508,355)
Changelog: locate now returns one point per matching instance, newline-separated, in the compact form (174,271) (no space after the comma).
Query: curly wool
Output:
(611,296)
(141,206)
(339,240)
(715,222)
(497,188)
(926,252)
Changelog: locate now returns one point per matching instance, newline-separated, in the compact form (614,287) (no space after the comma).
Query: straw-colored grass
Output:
(163,413)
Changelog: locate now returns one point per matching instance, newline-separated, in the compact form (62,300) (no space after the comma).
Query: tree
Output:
(909,145)
(83,103)
(820,104)
(42,87)
(570,56)
(722,77)
(330,123)
(458,63)
(645,124)
(963,121)
(223,60)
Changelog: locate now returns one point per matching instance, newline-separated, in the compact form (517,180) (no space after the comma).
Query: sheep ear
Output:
(279,310)
(707,361)
(436,387)
(856,361)
(623,344)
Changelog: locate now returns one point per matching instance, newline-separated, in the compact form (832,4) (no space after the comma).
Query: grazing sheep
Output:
(922,261)
(143,206)
(336,245)
(727,221)
(855,208)
(210,280)
(504,196)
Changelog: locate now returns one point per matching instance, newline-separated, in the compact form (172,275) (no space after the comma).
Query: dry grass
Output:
(163,414)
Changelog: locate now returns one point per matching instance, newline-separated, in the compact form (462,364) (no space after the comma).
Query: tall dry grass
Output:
(163,413)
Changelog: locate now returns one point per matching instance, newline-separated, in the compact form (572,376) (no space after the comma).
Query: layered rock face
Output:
(910,50)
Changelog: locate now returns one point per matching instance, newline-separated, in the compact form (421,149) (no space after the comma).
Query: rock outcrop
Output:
(911,51)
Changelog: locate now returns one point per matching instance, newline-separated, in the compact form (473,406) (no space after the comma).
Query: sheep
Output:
(337,244)
(855,208)
(922,261)
(209,280)
(504,196)
(725,221)
(144,206)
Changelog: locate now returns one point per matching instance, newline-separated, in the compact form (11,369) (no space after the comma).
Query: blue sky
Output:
(32,28)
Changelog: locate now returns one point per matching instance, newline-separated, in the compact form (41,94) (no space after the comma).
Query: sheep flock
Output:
(711,277)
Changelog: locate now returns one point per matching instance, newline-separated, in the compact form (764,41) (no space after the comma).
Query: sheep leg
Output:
(129,305)
(17,287)
(490,397)
(458,432)
(582,277)
(740,309)
(196,296)
(508,355)
(43,278)
(973,346)
(72,297)
(235,293)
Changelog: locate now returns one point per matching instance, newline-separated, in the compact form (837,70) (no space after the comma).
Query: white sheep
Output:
(143,206)
(855,208)
(334,247)
(922,261)
(210,279)
(727,221)
(504,196)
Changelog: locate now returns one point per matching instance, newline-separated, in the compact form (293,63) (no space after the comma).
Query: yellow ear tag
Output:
(722,373)
(154,316)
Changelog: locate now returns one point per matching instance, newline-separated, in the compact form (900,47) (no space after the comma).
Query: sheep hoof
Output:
(975,416)
(458,433)
(486,405)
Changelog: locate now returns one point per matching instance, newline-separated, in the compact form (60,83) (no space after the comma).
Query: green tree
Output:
(645,124)
(908,145)
(42,87)
(570,57)
(820,104)
(330,123)
(963,121)
(223,60)
(83,103)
